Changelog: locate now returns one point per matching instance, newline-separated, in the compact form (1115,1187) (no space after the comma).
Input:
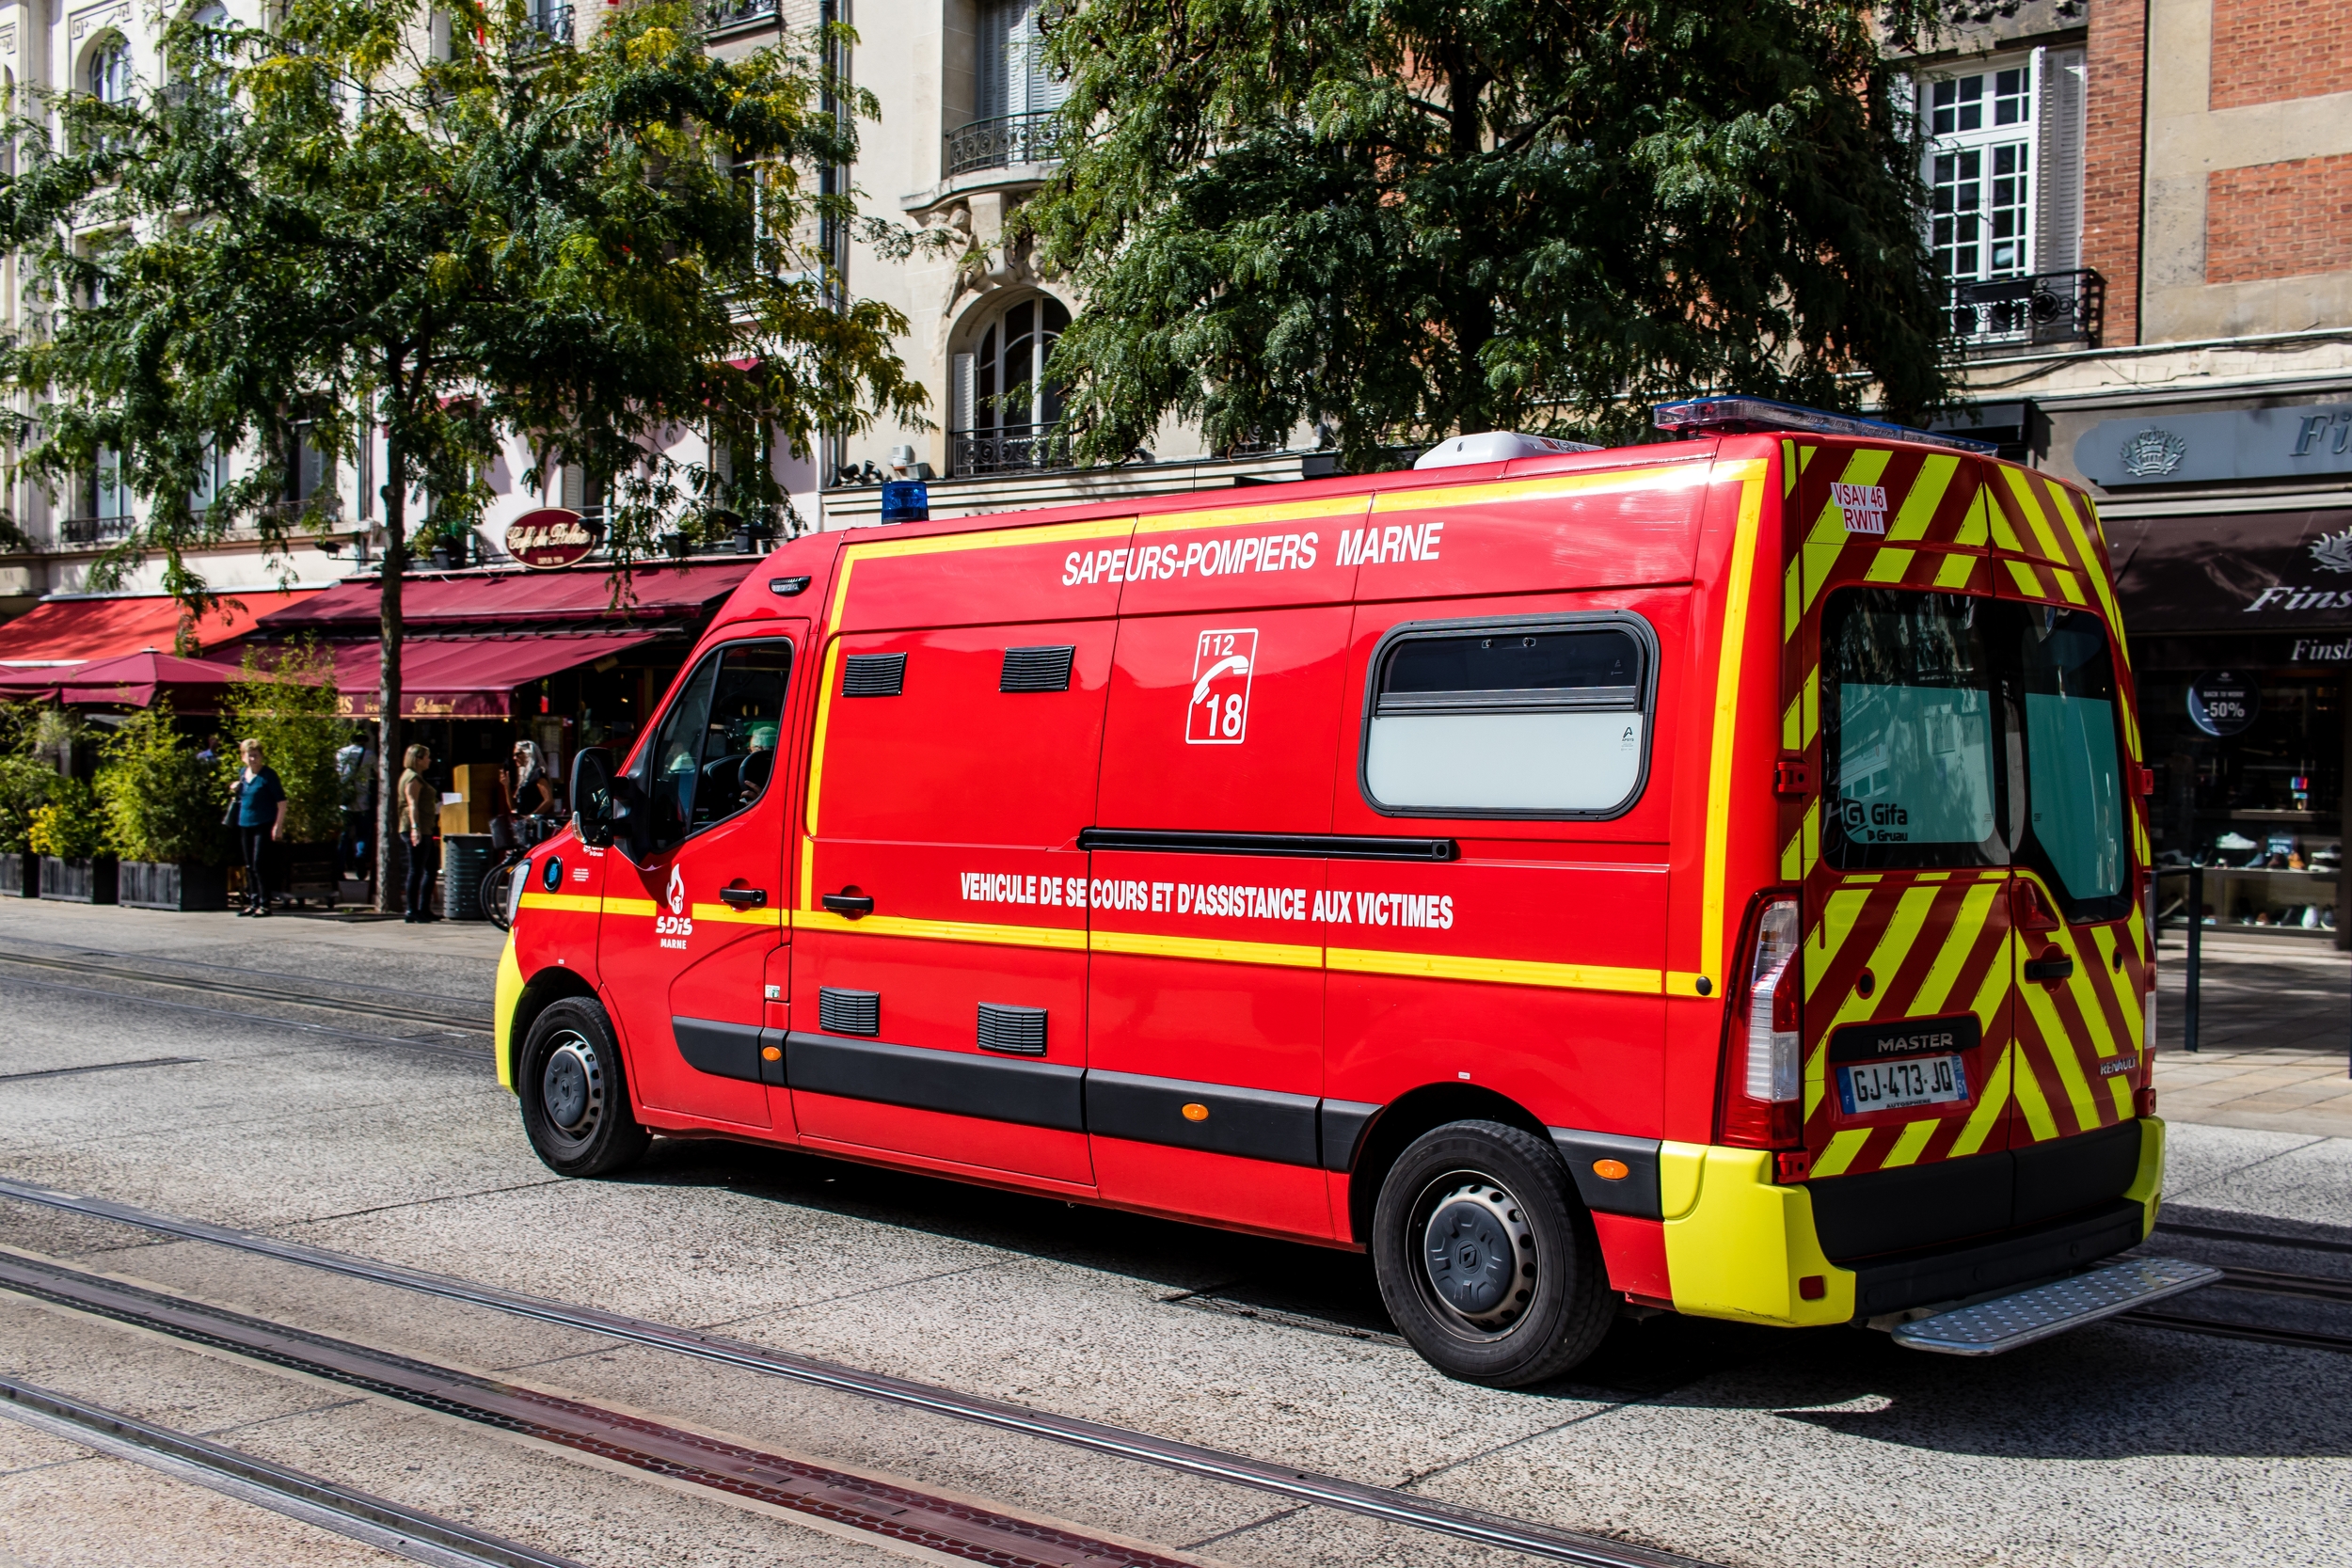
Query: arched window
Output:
(110,69)
(1005,406)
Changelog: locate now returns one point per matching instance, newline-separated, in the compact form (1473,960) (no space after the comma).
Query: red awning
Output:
(468,677)
(502,598)
(74,631)
(193,685)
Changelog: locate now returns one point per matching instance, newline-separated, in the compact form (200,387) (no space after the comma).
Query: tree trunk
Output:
(388,748)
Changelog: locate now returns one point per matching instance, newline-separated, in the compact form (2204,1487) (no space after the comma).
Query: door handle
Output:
(2059,968)
(852,905)
(743,897)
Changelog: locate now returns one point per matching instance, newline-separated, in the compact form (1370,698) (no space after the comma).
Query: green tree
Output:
(289,704)
(329,229)
(28,781)
(1406,219)
(162,803)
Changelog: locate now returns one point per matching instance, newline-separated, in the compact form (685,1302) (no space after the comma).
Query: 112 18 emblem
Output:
(1222,662)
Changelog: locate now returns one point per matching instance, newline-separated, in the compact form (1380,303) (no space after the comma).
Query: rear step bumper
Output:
(1948,1273)
(2005,1322)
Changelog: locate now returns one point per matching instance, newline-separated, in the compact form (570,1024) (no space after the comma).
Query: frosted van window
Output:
(1907,719)
(1519,719)
(2075,810)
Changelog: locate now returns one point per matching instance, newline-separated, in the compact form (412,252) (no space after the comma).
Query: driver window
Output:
(716,750)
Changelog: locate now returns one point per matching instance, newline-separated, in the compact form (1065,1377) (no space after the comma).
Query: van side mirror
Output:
(591,795)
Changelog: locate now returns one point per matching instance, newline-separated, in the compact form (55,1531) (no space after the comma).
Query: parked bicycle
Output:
(513,838)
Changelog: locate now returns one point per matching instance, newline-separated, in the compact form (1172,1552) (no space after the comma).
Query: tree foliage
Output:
(1410,218)
(289,704)
(162,801)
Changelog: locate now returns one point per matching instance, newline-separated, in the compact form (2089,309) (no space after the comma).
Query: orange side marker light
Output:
(1612,1170)
(770,1053)
(1194,1111)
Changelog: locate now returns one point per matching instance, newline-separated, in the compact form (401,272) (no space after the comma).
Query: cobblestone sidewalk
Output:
(2275,1036)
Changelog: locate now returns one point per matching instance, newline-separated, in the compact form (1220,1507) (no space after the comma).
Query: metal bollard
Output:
(2195,946)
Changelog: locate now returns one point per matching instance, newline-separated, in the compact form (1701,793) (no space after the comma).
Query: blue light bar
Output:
(1743,416)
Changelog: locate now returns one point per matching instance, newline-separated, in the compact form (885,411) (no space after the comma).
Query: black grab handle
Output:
(849,904)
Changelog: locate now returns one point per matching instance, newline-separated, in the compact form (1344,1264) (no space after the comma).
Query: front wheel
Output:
(575,1099)
(1485,1258)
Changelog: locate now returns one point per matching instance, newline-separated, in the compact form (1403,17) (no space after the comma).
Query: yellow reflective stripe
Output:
(1895,943)
(2069,585)
(1816,1076)
(1912,1138)
(1791,597)
(1068,939)
(1792,858)
(1839,913)
(1926,494)
(1975,906)
(1991,1100)
(825,715)
(1735,593)
(631,906)
(2026,577)
(2025,1085)
(577,903)
(1788,467)
(2036,519)
(1501,972)
(1242,516)
(1812,695)
(1213,949)
(1976,523)
(1827,539)
(1955,571)
(1889,566)
(1665,477)
(1996,520)
(1792,723)
(1842,1148)
(2062,1049)
(734,916)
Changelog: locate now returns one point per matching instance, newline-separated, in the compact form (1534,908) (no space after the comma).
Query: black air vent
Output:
(875,675)
(1036,669)
(1020,1031)
(848,1012)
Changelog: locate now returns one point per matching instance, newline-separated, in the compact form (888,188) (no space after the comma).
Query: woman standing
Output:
(534,792)
(420,823)
(261,817)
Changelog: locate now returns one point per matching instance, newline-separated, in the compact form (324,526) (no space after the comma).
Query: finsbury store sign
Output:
(2313,442)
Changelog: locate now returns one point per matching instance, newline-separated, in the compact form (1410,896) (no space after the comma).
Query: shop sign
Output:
(2311,441)
(2223,703)
(551,536)
(2315,650)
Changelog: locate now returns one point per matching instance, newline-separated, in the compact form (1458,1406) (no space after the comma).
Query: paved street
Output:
(170,1063)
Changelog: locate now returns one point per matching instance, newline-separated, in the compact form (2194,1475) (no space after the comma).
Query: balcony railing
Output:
(94,531)
(2030,311)
(718,14)
(1004,141)
(544,26)
(1012,448)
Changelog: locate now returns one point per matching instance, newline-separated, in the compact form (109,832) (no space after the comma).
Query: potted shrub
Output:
(289,705)
(26,782)
(163,808)
(69,835)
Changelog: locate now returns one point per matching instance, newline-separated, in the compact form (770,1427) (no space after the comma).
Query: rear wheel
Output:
(574,1097)
(1485,1258)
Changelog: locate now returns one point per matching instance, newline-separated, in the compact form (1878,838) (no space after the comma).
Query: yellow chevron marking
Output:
(728,915)
(1991,1098)
(1811,840)
(1674,476)
(1895,943)
(1242,516)
(1737,582)
(1889,566)
(2025,1083)
(1839,913)
(1967,927)
(1793,856)
(1912,1138)
(1501,972)
(1842,1148)
(1791,598)
(575,903)
(2070,585)
(2036,519)
(2119,1090)
(1812,695)
(1954,571)
(1792,725)
(1926,494)
(2026,577)
(1816,1076)
(2062,1049)
(646,906)
(1804,457)
(1976,525)
(1996,519)
(1829,538)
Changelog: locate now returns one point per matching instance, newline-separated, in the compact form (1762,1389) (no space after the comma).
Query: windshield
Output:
(1945,716)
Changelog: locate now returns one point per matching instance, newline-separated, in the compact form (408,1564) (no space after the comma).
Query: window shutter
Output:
(959,415)
(575,482)
(2058,231)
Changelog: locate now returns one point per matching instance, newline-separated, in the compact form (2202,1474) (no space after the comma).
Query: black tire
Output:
(496,883)
(574,1097)
(1486,1259)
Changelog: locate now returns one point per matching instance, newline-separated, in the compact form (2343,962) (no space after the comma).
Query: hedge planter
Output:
(183,887)
(89,881)
(19,876)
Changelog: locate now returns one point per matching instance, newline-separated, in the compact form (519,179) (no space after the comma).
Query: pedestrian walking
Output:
(261,813)
(419,824)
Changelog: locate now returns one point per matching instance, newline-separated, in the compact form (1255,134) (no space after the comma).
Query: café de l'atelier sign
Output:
(2243,443)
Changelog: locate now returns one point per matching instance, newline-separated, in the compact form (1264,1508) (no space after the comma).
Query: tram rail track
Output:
(468,1024)
(1385,1504)
(361,1516)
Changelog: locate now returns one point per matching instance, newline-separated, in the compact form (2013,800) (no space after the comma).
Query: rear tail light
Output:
(1763,1078)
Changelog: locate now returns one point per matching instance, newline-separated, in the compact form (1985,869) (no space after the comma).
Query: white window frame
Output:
(1983,139)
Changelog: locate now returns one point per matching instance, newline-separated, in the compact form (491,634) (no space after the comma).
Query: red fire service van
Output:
(1707,876)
